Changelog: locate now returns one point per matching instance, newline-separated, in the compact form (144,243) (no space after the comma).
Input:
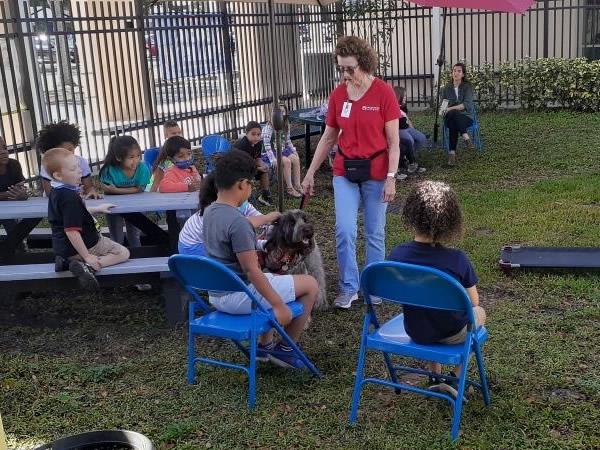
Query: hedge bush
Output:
(537,84)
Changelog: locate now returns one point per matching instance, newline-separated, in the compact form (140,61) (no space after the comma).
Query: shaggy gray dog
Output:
(291,249)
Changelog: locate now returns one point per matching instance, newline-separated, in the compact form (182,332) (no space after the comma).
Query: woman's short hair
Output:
(463,66)
(360,49)
(432,209)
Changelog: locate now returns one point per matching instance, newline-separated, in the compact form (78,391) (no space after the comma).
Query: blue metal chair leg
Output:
(390,368)
(485,391)
(458,404)
(252,371)
(191,372)
(360,367)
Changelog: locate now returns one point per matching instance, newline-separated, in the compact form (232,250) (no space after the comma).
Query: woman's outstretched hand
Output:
(308,184)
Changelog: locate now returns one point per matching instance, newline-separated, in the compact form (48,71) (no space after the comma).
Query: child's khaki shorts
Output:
(106,246)
(460,337)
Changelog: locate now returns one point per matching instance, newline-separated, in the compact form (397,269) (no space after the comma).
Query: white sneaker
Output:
(401,176)
(345,300)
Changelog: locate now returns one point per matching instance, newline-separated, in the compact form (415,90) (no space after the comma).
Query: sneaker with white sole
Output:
(84,274)
(283,356)
(376,300)
(262,351)
(344,300)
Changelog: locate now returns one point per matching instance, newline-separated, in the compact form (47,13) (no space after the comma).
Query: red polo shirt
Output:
(363,132)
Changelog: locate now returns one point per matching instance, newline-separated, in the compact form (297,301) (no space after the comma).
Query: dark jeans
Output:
(457,123)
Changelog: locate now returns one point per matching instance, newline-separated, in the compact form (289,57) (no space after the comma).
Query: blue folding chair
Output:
(198,274)
(473,130)
(425,287)
(211,146)
(150,155)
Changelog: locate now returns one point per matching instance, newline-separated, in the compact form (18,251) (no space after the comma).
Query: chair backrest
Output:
(150,155)
(410,284)
(197,273)
(212,145)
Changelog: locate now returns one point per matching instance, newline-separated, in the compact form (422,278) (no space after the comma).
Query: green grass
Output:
(70,363)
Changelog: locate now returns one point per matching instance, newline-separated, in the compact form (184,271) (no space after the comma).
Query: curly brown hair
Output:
(360,49)
(432,210)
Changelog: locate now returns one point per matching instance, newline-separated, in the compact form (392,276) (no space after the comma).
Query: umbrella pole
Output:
(440,63)
(276,117)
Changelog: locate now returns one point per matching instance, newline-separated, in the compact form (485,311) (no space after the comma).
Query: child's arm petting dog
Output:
(259,221)
(249,263)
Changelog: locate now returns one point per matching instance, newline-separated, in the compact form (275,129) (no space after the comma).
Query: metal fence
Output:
(115,66)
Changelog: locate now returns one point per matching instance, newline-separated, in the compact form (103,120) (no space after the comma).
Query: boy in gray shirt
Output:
(229,238)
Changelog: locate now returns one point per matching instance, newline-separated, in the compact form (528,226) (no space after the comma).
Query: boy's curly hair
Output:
(54,134)
(360,49)
(432,209)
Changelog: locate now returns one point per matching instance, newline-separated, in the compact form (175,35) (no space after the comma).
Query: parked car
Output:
(45,48)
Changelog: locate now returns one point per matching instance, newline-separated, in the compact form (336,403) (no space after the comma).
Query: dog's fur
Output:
(291,240)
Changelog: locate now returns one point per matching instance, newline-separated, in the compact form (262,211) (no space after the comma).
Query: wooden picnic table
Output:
(131,206)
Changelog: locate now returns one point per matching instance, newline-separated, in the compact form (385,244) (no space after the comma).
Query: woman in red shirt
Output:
(362,119)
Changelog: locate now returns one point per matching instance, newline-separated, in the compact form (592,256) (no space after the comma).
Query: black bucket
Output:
(101,440)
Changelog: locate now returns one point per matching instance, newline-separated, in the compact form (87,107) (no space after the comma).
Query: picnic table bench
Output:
(18,278)
(34,271)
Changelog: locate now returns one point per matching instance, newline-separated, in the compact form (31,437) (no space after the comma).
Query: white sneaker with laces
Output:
(344,300)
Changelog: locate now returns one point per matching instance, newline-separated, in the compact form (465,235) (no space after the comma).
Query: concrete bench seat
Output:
(15,279)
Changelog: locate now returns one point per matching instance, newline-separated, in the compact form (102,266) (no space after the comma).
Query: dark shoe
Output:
(262,351)
(84,275)
(285,357)
(60,264)
(468,143)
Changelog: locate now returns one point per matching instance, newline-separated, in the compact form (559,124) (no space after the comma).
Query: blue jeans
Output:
(414,137)
(348,197)
(194,250)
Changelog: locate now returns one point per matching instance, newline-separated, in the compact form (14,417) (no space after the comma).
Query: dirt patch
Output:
(493,296)
(483,232)
(566,395)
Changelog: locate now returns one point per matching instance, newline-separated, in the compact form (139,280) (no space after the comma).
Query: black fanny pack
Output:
(358,170)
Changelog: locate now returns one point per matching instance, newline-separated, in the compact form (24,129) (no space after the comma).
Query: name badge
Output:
(346,109)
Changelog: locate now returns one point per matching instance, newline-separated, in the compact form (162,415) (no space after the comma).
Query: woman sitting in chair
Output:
(460,112)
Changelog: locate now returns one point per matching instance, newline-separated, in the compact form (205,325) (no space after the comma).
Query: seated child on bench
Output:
(76,241)
(433,213)
(65,135)
(230,239)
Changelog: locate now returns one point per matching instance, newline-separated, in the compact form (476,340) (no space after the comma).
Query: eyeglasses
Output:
(348,69)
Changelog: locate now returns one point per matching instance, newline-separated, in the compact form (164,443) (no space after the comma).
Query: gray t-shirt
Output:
(227,232)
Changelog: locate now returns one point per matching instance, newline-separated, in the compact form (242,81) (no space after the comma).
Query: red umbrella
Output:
(514,6)
(509,6)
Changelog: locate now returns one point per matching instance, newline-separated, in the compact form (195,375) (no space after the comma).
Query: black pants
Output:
(457,123)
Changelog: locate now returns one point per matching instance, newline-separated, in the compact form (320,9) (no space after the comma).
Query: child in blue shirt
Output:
(433,213)
(123,173)
(229,238)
